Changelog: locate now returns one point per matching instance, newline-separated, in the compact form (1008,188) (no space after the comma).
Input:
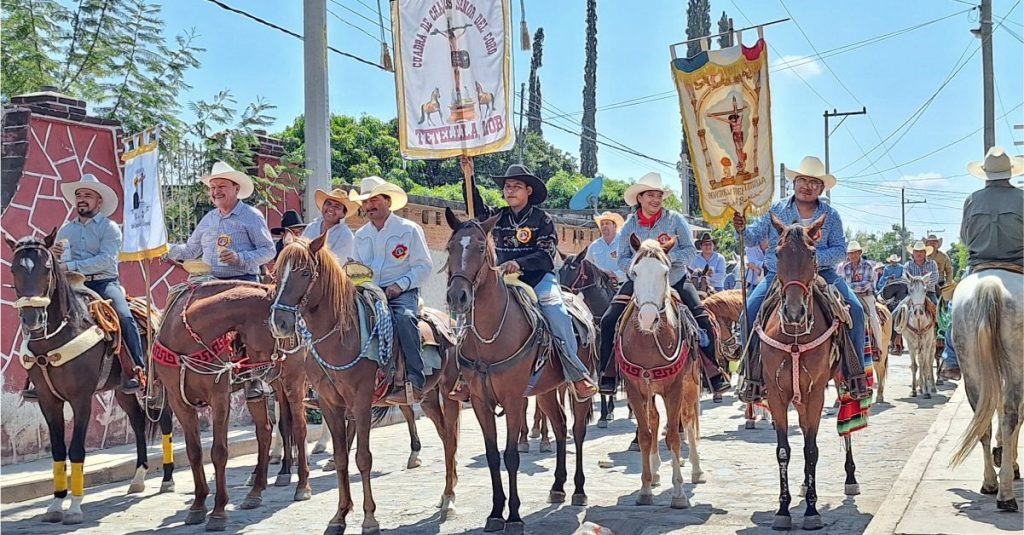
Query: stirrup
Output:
(857,387)
(752,391)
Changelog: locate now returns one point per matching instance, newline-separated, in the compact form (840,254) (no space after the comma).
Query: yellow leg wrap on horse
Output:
(78,479)
(60,476)
(168,450)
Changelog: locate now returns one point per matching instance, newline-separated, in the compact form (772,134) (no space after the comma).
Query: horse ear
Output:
(318,243)
(777,223)
(10,241)
(669,244)
(488,225)
(583,252)
(288,238)
(634,242)
(49,239)
(815,228)
(452,219)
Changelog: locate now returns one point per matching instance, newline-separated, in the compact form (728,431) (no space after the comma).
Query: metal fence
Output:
(185,198)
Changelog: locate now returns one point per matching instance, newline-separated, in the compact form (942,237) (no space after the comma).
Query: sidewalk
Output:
(931,498)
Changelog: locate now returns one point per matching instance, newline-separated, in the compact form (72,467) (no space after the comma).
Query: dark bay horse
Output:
(499,374)
(53,314)
(316,299)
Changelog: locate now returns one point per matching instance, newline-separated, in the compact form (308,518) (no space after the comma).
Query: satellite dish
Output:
(588,195)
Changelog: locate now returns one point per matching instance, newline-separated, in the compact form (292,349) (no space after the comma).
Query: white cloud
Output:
(928,180)
(803,66)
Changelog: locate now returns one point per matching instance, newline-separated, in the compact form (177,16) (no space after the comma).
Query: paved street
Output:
(740,495)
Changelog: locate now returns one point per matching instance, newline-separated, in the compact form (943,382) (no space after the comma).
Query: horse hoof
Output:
(371,530)
(136,487)
(940,382)
(989,489)
(53,516)
(717,398)
(1016,474)
(698,477)
(813,522)
(851,489)
(329,466)
(782,523)
(749,425)
(680,502)
(494,524)
(545,447)
(335,529)
(414,462)
(803,491)
(1003,505)
(274,459)
(166,486)
(556,496)
(634,446)
(524,447)
(927,395)
(76,518)
(515,528)
(195,516)
(645,499)
(217,523)
(602,424)
(319,449)
(283,480)
(251,502)
(534,433)
(656,480)
(579,500)
(302,495)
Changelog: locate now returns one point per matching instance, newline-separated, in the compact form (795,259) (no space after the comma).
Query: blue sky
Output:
(892,78)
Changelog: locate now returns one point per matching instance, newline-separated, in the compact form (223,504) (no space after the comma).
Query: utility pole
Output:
(782,181)
(844,115)
(317,109)
(903,210)
(988,77)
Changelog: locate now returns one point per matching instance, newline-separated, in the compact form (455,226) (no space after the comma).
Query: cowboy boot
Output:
(29,393)
(460,392)
(130,382)
(854,377)
(255,389)
(752,388)
(715,377)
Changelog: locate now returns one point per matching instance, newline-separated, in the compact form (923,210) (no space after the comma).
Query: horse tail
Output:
(423,114)
(988,341)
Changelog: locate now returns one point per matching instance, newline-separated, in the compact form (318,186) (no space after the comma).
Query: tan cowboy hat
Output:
(853,246)
(997,165)
(648,182)
(89,181)
(225,171)
(609,216)
(932,237)
(375,185)
(339,196)
(920,246)
(812,167)
(893,258)
(706,237)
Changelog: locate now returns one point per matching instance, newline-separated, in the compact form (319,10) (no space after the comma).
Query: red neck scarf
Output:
(647,222)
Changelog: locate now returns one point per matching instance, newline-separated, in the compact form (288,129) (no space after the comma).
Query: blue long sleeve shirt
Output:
(830,249)
(671,224)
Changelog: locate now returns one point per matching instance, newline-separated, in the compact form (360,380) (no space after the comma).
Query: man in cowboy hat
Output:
(526,242)
(892,270)
(335,207)
(650,220)
(943,262)
(603,252)
(859,274)
(810,181)
(396,250)
(919,265)
(233,238)
(707,256)
(291,223)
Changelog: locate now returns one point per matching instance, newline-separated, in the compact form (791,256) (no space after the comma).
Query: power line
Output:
(360,28)
(360,15)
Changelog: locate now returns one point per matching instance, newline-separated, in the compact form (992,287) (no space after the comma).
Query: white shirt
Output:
(397,253)
(755,255)
(339,238)
(717,263)
(606,256)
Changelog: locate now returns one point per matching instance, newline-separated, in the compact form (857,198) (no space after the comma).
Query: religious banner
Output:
(145,235)
(726,109)
(452,76)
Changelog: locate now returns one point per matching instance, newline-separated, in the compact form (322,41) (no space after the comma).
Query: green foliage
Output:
(724,40)
(588,139)
(878,247)
(698,24)
(533,122)
(958,256)
(728,244)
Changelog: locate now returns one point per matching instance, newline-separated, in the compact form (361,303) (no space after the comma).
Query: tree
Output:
(533,121)
(958,256)
(725,28)
(588,138)
(698,24)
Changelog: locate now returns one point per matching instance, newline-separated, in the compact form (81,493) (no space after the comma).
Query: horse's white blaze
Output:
(464,242)
(27,263)
(280,289)
(650,290)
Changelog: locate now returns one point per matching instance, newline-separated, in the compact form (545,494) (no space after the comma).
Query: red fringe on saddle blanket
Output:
(853,414)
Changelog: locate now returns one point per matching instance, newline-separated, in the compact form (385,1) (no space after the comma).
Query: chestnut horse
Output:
(316,299)
(499,374)
(52,315)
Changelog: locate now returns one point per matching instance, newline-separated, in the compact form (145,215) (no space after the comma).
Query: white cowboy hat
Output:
(648,182)
(997,165)
(920,246)
(225,171)
(933,237)
(89,181)
(375,185)
(893,258)
(812,167)
(854,245)
(609,216)
(339,196)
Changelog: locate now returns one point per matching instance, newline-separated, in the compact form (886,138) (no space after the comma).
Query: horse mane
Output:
(727,304)
(339,290)
(649,248)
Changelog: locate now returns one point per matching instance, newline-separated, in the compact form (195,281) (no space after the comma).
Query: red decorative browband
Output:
(163,355)
(661,373)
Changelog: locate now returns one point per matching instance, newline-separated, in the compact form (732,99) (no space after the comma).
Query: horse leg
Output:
(524,439)
(582,412)
(783,520)
(414,435)
(538,418)
(928,377)
(364,461)
(647,441)
(1009,431)
(334,417)
(303,491)
(220,402)
(76,453)
(188,417)
(166,431)
(881,373)
(285,429)
(751,417)
(852,488)
(53,413)
(552,410)
(488,426)
(545,435)
(673,410)
(812,519)
(137,419)
(913,368)
(514,419)
(441,419)
(654,452)
(277,445)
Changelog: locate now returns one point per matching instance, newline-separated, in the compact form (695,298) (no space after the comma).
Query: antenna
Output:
(588,195)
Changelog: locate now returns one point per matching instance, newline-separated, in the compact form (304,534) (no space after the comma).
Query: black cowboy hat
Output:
(705,237)
(520,172)
(291,219)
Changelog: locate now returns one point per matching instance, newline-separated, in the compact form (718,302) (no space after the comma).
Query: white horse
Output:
(988,313)
(916,322)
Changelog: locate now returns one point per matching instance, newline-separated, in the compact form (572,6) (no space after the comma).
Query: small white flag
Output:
(145,235)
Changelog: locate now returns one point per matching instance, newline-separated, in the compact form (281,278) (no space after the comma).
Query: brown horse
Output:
(653,348)
(431,107)
(313,286)
(702,281)
(727,309)
(485,100)
(199,363)
(796,349)
(500,375)
(52,315)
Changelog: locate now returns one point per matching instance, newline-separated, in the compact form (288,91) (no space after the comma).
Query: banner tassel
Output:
(524,30)
(385,58)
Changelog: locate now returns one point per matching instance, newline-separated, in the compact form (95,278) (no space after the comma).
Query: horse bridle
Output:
(41,301)
(582,276)
(302,333)
(808,321)
(473,282)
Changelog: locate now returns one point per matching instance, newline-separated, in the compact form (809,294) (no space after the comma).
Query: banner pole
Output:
(468,184)
(743,292)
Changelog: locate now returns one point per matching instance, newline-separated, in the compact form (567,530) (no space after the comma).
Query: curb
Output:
(895,504)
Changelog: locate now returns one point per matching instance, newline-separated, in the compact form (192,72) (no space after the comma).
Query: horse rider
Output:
(919,265)
(650,220)
(233,238)
(335,207)
(992,227)
(291,223)
(859,274)
(755,263)
(805,206)
(944,264)
(526,242)
(89,244)
(892,270)
(396,250)
(604,251)
(707,256)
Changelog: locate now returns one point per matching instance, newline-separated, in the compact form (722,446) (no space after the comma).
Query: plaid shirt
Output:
(250,238)
(865,285)
(831,248)
(929,268)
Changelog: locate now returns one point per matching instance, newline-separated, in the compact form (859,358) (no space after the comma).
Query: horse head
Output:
(309,276)
(917,288)
(35,272)
(470,255)
(650,270)
(797,266)
(574,273)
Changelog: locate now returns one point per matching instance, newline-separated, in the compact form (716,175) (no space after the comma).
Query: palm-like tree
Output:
(588,138)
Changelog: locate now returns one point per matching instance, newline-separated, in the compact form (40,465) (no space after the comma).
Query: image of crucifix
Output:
(734,119)
(459,58)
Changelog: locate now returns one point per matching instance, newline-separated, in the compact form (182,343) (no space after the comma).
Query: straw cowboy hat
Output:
(893,259)
(854,246)
(375,185)
(89,181)
(812,167)
(521,173)
(609,216)
(705,237)
(933,237)
(339,196)
(997,165)
(291,219)
(920,246)
(225,171)
(648,182)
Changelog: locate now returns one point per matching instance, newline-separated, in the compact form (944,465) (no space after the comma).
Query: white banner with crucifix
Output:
(145,235)
(452,76)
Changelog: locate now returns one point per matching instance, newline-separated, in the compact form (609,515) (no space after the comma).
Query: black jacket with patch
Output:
(528,237)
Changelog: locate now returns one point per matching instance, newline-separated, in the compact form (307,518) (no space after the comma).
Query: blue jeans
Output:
(407,329)
(111,289)
(756,298)
(949,358)
(549,293)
